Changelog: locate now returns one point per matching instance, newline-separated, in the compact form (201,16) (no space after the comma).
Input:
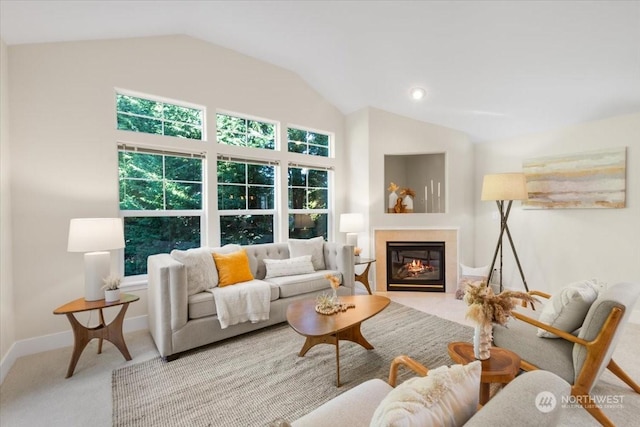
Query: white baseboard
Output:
(55,341)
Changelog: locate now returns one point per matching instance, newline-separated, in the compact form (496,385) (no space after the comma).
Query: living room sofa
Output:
(181,319)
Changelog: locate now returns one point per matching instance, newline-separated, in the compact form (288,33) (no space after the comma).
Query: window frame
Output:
(163,100)
(274,212)
(141,279)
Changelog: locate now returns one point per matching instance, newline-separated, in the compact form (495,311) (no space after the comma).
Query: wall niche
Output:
(425,174)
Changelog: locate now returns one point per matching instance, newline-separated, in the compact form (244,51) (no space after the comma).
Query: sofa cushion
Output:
(567,309)
(201,271)
(446,396)
(303,283)
(313,247)
(288,267)
(232,268)
(202,304)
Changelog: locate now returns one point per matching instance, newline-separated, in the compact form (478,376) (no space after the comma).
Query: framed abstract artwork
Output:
(593,179)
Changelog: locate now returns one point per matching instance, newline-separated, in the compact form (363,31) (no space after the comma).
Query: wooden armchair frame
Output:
(596,351)
(404,360)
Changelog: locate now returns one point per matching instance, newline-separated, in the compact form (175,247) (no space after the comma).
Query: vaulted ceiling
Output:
(493,69)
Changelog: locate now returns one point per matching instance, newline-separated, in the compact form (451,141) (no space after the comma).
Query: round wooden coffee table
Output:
(501,367)
(330,329)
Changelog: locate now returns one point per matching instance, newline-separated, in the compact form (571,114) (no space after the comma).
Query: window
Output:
(156,117)
(306,142)
(308,202)
(246,201)
(161,202)
(243,132)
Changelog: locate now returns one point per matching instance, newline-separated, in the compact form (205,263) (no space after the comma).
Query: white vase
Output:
(482,336)
(408,203)
(393,198)
(112,295)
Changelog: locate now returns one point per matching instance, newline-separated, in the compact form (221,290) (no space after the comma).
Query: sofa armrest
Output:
(340,257)
(167,299)
(520,399)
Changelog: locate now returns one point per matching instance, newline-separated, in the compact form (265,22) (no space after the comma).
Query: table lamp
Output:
(503,187)
(351,223)
(95,237)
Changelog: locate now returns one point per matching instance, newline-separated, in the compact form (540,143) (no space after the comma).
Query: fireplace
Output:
(416,266)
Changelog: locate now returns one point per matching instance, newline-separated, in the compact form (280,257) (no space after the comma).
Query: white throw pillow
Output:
(470,275)
(567,309)
(288,267)
(201,270)
(445,397)
(313,247)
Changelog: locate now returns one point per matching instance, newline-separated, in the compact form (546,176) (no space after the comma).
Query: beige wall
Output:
(394,134)
(560,246)
(64,156)
(7,332)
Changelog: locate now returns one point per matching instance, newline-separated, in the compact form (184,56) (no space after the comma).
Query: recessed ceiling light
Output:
(418,93)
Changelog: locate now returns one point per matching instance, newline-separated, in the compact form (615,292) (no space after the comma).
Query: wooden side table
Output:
(82,334)
(364,276)
(501,367)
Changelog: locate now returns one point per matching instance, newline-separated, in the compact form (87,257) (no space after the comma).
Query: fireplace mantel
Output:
(449,235)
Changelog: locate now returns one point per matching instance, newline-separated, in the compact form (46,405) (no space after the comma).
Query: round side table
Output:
(501,367)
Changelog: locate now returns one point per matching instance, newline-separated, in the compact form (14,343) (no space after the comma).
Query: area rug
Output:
(256,378)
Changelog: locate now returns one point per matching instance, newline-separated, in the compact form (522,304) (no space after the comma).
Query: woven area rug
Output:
(258,377)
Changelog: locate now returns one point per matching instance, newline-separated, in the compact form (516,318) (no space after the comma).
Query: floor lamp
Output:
(504,187)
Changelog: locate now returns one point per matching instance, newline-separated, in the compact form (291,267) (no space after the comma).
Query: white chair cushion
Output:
(567,309)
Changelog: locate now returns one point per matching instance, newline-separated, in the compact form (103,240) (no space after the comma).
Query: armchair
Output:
(517,401)
(581,359)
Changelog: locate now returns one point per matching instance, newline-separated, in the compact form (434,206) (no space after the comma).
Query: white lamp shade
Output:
(351,222)
(504,186)
(95,234)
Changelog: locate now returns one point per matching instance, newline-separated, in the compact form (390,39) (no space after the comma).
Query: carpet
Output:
(258,377)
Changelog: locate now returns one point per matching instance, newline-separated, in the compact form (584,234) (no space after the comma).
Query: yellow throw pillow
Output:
(233,268)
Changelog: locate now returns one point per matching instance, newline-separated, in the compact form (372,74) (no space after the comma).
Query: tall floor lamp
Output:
(504,187)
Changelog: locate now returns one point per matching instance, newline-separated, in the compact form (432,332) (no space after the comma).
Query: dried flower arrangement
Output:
(485,306)
(333,280)
(408,192)
(393,187)
(111,283)
(357,251)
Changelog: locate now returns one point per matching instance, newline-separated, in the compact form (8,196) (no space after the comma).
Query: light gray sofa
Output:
(179,321)
(515,404)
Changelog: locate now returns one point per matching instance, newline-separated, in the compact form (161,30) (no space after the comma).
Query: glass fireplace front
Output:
(415,266)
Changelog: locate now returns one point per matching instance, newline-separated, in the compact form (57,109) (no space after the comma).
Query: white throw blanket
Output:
(248,301)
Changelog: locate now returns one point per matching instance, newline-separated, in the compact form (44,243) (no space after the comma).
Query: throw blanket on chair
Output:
(248,301)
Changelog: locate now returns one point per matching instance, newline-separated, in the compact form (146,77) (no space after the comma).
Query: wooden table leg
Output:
(337,360)
(364,278)
(102,323)
(485,391)
(82,335)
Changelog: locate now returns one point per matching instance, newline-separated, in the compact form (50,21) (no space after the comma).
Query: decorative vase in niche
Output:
(408,202)
(393,199)
(482,335)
